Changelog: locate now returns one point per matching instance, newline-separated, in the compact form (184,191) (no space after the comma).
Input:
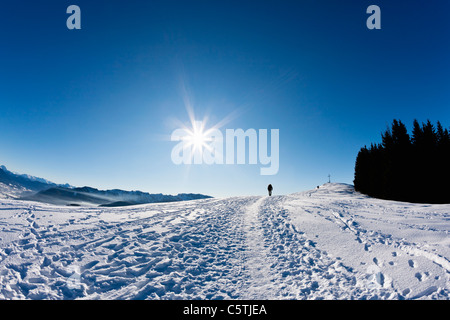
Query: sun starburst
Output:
(197,136)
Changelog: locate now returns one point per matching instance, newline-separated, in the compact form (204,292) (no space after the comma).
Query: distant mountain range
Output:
(26,187)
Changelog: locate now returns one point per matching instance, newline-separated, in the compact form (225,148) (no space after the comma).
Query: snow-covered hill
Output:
(15,185)
(327,243)
(26,187)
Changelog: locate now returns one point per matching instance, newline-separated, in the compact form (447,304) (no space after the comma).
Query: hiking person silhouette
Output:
(270,188)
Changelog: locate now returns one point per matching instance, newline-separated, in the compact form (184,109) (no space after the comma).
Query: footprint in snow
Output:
(419,276)
(422,276)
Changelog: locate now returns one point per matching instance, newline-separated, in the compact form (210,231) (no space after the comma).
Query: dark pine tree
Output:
(406,168)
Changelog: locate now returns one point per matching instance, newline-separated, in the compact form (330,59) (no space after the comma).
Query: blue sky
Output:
(97,106)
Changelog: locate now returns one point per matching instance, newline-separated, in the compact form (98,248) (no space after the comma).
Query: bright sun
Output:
(197,136)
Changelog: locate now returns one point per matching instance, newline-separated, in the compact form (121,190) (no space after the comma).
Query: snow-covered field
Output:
(327,243)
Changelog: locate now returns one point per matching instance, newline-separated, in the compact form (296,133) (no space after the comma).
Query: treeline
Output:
(408,168)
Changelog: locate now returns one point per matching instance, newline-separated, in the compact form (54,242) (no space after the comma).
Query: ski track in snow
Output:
(330,243)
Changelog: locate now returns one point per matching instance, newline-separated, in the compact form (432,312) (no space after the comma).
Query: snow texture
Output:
(326,243)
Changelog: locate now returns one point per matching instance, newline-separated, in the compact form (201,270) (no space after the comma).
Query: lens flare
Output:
(197,136)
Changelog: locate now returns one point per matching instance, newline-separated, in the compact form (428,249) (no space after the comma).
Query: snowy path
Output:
(285,264)
(329,243)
